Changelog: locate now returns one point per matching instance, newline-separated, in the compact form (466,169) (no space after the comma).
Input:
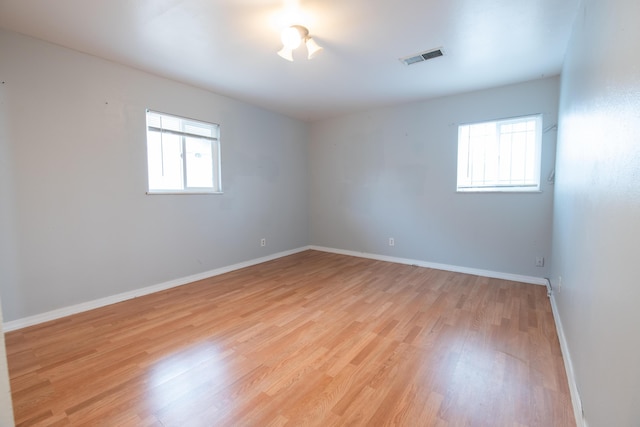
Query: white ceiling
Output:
(229,46)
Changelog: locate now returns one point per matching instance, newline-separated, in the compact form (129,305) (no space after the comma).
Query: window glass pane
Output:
(463,154)
(153,119)
(531,158)
(505,157)
(196,128)
(502,155)
(170,123)
(518,158)
(199,163)
(164,153)
(183,155)
(520,127)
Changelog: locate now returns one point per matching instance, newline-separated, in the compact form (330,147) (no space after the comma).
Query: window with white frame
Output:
(501,155)
(183,155)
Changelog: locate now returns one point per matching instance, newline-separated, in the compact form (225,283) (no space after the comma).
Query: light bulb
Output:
(291,37)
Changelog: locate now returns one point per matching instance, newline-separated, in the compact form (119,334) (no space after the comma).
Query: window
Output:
(183,155)
(502,155)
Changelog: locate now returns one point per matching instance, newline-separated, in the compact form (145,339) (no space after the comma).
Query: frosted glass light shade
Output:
(313,48)
(286,53)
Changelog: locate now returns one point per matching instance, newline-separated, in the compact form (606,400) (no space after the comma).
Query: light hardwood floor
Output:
(310,339)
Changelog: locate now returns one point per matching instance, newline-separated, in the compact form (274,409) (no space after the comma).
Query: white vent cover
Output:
(422,56)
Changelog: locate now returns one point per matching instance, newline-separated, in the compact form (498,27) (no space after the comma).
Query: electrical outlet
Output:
(263,242)
(539,261)
(392,241)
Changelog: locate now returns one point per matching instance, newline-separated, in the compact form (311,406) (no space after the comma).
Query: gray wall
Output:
(597,210)
(8,245)
(392,173)
(77,221)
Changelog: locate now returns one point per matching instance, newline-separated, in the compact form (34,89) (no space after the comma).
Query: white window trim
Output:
(532,188)
(215,147)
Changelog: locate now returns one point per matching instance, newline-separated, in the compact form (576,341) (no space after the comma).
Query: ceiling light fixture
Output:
(292,37)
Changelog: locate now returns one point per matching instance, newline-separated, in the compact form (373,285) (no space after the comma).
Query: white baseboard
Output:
(457,269)
(568,367)
(101,302)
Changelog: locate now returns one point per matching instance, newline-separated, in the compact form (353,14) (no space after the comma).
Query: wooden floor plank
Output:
(310,339)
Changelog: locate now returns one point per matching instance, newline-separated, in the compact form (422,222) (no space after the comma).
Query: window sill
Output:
(493,190)
(183,193)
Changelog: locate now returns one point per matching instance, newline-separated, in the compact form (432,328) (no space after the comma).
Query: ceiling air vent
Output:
(422,56)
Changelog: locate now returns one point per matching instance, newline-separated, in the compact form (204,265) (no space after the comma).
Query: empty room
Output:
(323,213)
